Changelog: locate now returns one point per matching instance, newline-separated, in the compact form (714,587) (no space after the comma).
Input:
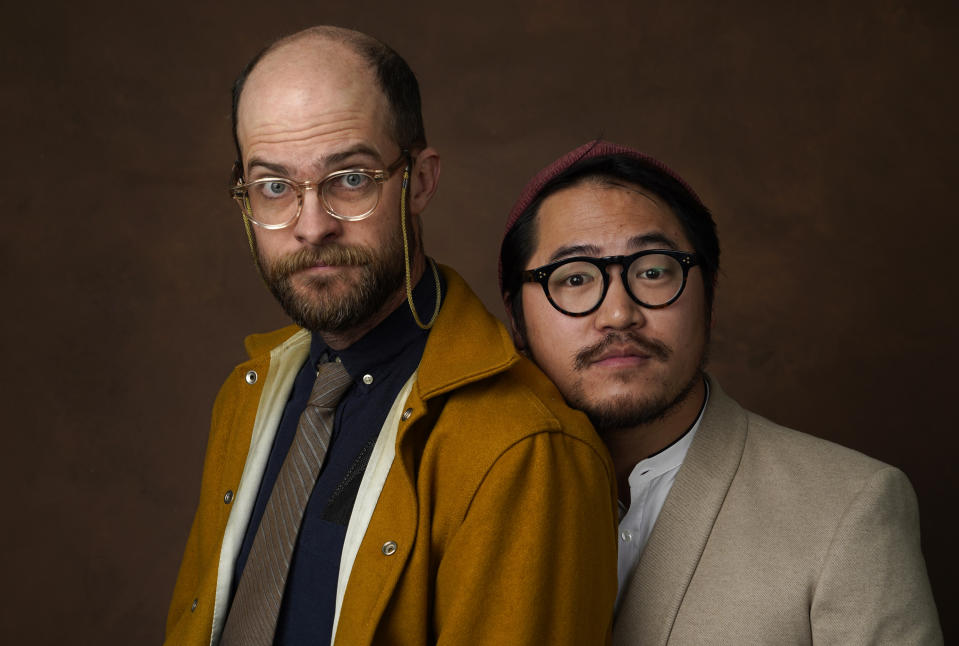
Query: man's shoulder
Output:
(771,439)
(524,401)
(788,463)
(512,422)
(806,458)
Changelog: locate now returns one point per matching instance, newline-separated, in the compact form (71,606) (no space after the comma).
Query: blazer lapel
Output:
(656,589)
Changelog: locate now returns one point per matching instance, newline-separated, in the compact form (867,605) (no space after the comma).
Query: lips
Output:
(634,352)
(621,348)
(318,259)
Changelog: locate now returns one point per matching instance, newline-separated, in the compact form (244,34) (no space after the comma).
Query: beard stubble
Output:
(629,410)
(336,304)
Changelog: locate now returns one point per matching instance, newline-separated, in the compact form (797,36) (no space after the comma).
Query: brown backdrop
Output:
(823,136)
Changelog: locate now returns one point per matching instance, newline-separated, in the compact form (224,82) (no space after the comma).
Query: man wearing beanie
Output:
(389,470)
(733,530)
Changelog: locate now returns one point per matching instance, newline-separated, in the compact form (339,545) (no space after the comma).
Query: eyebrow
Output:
(357,150)
(279,169)
(567,251)
(331,160)
(652,240)
(656,240)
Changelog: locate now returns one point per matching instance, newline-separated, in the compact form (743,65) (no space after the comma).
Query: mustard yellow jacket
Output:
(496,519)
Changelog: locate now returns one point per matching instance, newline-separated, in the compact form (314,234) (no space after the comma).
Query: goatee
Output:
(627,411)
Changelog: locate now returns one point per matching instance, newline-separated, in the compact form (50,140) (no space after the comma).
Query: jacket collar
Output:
(489,352)
(258,345)
(655,591)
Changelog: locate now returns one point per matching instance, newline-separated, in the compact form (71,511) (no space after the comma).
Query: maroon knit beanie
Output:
(590,150)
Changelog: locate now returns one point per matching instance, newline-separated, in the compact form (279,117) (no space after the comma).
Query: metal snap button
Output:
(389,548)
(228,497)
(193,607)
(407,413)
(251,377)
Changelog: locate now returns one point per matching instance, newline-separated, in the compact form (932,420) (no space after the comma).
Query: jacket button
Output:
(407,413)
(228,497)
(389,548)
(193,607)
(251,377)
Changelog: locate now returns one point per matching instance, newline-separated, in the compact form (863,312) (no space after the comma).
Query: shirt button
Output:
(407,413)
(626,536)
(389,548)
(367,379)
(228,497)
(251,377)
(193,607)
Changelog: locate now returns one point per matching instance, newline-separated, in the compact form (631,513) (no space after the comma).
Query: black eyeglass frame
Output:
(541,275)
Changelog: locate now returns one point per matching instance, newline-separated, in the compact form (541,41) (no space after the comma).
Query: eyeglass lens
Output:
(654,279)
(348,195)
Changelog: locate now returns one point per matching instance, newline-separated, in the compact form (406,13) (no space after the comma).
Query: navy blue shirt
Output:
(385,358)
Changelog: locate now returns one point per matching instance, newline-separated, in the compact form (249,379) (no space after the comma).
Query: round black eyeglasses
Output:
(577,286)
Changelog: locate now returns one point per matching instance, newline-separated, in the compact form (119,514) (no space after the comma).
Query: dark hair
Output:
(696,220)
(395,78)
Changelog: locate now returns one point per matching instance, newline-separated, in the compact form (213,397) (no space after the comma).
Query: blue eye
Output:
(351,182)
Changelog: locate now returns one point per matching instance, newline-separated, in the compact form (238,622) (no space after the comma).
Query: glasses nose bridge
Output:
(309,185)
(610,276)
(607,268)
(302,188)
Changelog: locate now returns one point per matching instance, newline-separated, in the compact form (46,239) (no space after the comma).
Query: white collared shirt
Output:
(649,484)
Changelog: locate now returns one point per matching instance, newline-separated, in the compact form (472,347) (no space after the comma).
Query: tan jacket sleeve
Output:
(874,588)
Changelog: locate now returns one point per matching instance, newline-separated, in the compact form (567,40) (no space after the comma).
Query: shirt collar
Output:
(668,458)
(377,349)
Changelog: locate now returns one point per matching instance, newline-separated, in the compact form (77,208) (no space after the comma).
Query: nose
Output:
(618,311)
(315,226)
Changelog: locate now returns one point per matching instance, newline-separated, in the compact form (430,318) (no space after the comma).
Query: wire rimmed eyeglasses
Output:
(577,286)
(276,202)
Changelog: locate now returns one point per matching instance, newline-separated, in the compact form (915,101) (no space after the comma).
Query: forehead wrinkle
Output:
(259,150)
(278,132)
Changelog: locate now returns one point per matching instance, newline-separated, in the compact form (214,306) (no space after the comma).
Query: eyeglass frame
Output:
(541,275)
(379,177)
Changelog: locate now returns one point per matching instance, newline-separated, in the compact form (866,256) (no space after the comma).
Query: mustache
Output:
(655,349)
(331,254)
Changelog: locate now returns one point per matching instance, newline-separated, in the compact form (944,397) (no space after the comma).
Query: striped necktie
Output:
(253,615)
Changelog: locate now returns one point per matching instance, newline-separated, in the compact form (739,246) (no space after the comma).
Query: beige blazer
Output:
(770,536)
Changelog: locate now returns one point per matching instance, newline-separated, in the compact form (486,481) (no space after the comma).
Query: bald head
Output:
(334,49)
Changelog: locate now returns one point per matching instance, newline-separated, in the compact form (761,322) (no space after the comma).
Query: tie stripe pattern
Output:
(256,606)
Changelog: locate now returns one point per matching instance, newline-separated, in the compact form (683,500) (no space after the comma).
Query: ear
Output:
(515,328)
(424,179)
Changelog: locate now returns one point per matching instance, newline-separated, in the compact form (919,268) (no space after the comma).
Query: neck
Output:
(629,445)
(341,340)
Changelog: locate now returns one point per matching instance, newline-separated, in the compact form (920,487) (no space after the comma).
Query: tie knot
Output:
(332,380)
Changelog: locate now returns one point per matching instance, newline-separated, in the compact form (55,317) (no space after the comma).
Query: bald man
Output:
(388,469)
